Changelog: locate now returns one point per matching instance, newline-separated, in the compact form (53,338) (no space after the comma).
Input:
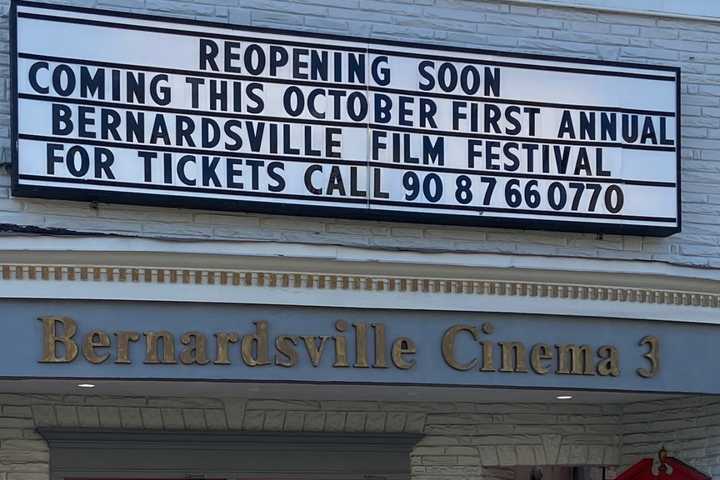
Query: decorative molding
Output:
(353,282)
(37,268)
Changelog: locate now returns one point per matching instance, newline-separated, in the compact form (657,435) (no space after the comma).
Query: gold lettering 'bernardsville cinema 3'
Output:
(254,348)
(352,345)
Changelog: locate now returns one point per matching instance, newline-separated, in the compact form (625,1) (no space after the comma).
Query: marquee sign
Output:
(139,109)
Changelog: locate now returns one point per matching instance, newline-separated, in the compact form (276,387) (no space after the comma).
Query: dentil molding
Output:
(348,282)
(91,268)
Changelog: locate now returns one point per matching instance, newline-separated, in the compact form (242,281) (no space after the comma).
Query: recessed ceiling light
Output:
(564,397)
(86,385)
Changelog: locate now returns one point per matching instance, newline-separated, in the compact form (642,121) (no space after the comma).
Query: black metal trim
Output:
(285,209)
(14,104)
(89,438)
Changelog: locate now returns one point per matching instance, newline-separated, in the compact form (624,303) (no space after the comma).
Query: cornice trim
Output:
(323,276)
(351,282)
(347,259)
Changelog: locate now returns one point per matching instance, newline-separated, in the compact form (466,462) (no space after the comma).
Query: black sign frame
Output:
(238,206)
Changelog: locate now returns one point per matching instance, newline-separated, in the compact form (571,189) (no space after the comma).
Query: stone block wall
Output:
(461,440)
(689,429)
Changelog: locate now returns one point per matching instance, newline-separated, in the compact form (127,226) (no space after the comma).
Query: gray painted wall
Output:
(684,353)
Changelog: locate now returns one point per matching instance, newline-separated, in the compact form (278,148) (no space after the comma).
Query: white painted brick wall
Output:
(461,440)
(693,45)
(689,429)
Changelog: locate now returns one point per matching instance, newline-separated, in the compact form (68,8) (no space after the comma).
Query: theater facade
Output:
(360,240)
